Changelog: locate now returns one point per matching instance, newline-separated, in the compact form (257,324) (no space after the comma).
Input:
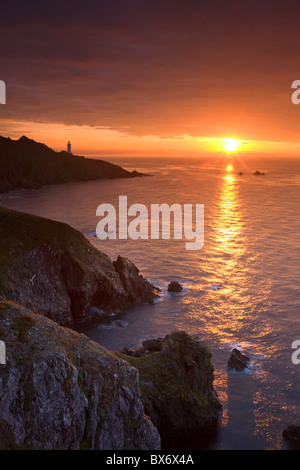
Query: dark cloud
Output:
(156,67)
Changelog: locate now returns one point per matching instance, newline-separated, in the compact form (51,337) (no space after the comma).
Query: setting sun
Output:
(231,145)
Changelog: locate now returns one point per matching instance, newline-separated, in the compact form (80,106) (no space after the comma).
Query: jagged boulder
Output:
(50,267)
(237,360)
(152,345)
(174,286)
(177,386)
(148,346)
(60,390)
(137,288)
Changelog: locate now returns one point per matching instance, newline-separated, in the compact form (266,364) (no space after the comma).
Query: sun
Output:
(231,145)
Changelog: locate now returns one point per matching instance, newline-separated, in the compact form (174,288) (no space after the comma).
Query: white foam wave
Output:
(114,324)
(255,366)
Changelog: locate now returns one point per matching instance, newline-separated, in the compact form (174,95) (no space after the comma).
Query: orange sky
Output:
(88,141)
(152,78)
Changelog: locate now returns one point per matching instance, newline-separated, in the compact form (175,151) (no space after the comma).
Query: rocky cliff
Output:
(60,390)
(50,267)
(177,385)
(25,163)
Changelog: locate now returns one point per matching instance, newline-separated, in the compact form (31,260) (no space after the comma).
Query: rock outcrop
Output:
(177,386)
(148,346)
(258,173)
(174,286)
(50,267)
(60,390)
(137,288)
(25,163)
(238,361)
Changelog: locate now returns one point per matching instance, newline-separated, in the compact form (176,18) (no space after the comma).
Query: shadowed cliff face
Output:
(52,268)
(60,390)
(25,163)
(177,386)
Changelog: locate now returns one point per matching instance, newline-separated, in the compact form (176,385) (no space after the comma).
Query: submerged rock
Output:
(50,267)
(237,360)
(292,434)
(177,386)
(59,390)
(174,286)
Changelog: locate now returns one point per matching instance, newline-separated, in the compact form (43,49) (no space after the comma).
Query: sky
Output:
(149,77)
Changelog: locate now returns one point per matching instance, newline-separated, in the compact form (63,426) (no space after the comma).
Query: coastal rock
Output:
(237,360)
(137,288)
(59,390)
(153,345)
(181,400)
(138,352)
(148,347)
(50,267)
(258,173)
(25,163)
(174,286)
(292,434)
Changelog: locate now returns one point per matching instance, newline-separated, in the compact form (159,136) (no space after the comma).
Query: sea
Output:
(240,290)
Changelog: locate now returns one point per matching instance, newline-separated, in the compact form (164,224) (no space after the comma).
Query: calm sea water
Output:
(241,290)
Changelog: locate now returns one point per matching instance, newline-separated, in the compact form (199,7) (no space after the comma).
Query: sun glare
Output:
(231,145)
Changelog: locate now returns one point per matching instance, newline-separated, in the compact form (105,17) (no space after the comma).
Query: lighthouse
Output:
(69,148)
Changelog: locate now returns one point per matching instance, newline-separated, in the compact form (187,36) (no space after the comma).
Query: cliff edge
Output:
(50,267)
(177,385)
(59,390)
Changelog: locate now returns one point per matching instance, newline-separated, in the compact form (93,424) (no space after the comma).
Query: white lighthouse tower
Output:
(69,148)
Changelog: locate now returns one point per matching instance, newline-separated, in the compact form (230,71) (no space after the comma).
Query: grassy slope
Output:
(21,232)
(51,267)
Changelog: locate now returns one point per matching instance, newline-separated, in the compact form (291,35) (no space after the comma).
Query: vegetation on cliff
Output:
(50,267)
(177,386)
